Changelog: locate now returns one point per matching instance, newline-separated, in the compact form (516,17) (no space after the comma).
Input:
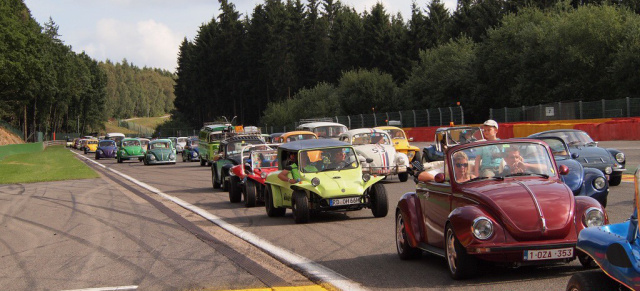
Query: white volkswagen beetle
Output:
(376,152)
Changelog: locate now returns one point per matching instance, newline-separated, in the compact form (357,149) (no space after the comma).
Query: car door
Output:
(435,201)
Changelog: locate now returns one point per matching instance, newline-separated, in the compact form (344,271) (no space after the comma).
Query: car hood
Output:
(161,154)
(575,177)
(133,150)
(531,208)
(403,144)
(382,155)
(592,155)
(107,149)
(339,183)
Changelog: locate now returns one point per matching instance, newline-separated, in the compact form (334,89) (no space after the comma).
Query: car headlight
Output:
(172,156)
(401,160)
(608,170)
(231,173)
(263,175)
(482,228)
(315,182)
(620,157)
(599,183)
(593,217)
(411,154)
(152,157)
(366,177)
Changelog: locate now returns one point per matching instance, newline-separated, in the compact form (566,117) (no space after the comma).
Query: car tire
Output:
(224,182)
(378,200)
(250,193)
(405,251)
(591,281)
(183,158)
(119,160)
(97,157)
(615,180)
(461,264)
(586,261)
(300,207)
(235,192)
(272,211)
(403,177)
(85,151)
(214,180)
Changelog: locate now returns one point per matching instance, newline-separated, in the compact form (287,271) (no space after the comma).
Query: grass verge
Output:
(55,163)
(12,149)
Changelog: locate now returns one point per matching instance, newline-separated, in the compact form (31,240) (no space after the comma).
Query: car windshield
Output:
(144,142)
(92,142)
(182,140)
(331,159)
(370,138)
(128,143)
(396,133)
(106,143)
(235,147)
(558,148)
(160,145)
(300,137)
(573,138)
(330,131)
(264,159)
(501,160)
(194,143)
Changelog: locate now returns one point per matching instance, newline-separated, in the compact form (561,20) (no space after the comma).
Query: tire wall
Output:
(599,129)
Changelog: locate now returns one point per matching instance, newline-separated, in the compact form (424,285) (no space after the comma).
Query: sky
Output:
(148,33)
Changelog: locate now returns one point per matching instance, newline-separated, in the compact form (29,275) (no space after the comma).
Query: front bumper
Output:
(385,171)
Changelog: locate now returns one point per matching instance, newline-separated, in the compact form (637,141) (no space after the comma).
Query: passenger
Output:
(515,163)
(489,157)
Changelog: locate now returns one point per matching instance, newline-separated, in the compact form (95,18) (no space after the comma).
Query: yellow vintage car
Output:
(296,135)
(401,143)
(90,146)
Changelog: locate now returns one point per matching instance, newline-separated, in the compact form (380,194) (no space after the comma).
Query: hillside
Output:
(7,137)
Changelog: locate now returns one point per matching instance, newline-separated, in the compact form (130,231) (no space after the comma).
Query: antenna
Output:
(234,118)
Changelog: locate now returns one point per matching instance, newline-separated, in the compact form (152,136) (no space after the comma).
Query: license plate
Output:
(344,201)
(538,255)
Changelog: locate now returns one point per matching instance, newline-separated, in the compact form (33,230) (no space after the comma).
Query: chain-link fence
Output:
(407,118)
(625,107)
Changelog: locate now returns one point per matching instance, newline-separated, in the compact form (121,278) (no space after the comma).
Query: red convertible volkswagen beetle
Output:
(519,213)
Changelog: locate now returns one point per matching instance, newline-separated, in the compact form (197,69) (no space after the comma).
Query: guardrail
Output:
(49,143)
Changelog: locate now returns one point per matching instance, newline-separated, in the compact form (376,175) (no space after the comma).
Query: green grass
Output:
(55,163)
(13,149)
(149,122)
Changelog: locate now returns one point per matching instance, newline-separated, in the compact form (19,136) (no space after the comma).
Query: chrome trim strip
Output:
(535,201)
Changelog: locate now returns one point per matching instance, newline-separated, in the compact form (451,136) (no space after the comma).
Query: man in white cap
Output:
(489,158)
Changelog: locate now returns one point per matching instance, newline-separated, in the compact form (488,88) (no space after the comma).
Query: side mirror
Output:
(563,170)
(575,155)
(369,160)
(439,178)
(411,139)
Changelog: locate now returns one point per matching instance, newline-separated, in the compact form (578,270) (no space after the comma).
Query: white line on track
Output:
(308,267)
(131,287)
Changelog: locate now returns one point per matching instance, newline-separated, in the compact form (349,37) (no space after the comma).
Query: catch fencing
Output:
(626,107)
(408,118)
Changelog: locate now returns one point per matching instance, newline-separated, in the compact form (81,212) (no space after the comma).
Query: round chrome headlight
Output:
(599,183)
(401,160)
(231,173)
(366,177)
(608,170)
(411,154)
(315,181)
(593,217)
(482,228)
(172,156)
(152,157)
(263,175)
(620,157)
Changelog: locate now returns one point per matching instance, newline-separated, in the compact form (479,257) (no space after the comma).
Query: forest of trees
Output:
(47,87)
(290,60)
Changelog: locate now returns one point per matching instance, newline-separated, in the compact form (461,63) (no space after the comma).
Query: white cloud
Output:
(143,43)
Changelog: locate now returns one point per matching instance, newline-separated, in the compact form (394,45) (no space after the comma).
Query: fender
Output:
(461,220)
(409,206)
(591,174)
(582,204)
(613,153)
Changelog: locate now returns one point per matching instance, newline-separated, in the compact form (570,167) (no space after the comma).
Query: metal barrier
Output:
(626,107)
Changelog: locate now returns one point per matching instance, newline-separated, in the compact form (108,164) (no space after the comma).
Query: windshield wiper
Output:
(528,174)
(484,178)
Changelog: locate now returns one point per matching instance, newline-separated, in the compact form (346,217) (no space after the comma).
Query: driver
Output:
(337,158)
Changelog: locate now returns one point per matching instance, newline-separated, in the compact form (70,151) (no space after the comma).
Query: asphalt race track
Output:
(357,245)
